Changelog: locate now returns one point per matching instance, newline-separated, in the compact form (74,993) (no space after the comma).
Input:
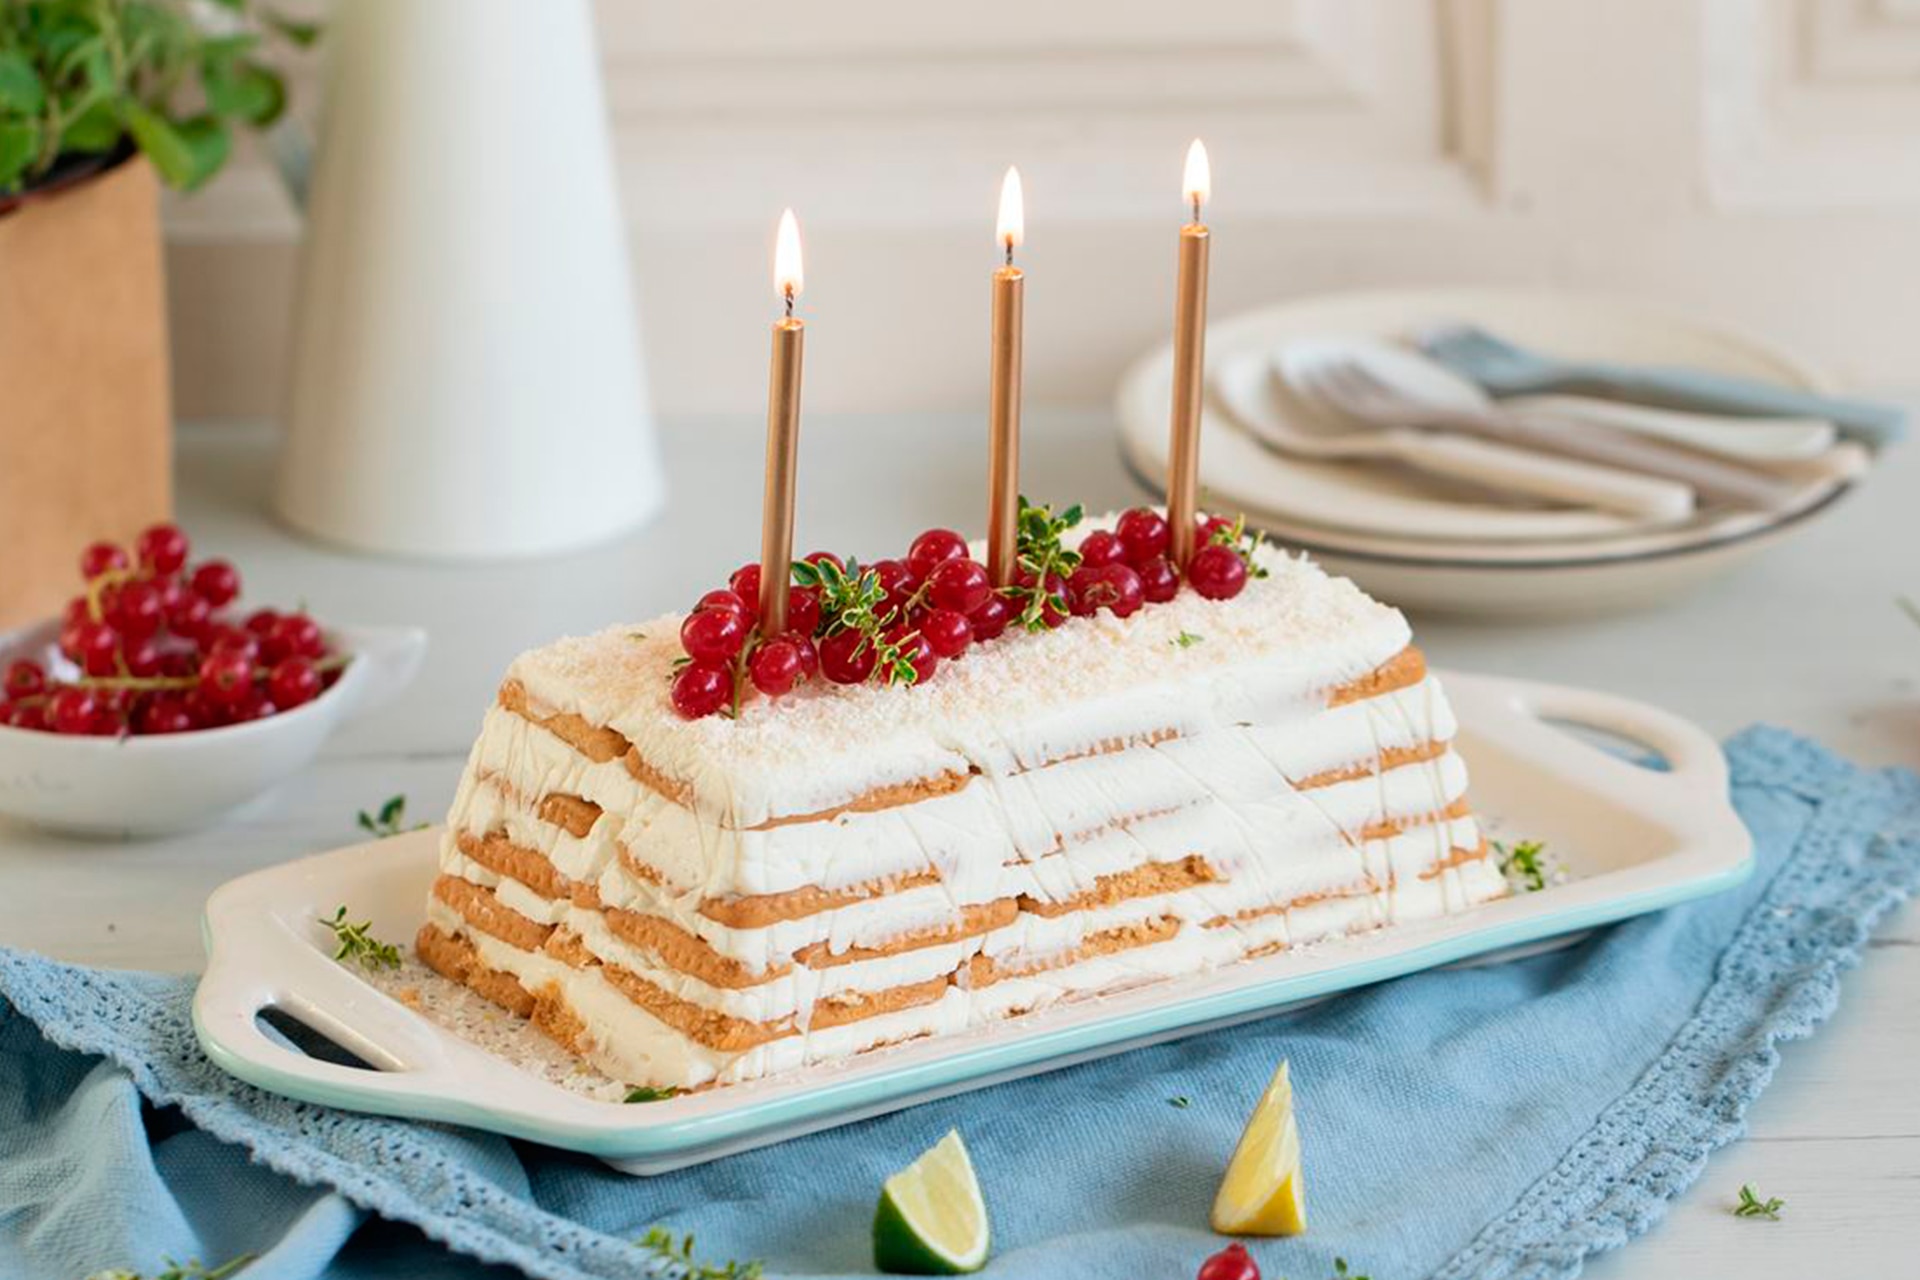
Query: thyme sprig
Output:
(675,1259)
(389,820)
(1044,560)
(358,945)
(1527,866)
(650,1093)
(1752,1206)
(1238,540)
(190,1270)
(852,599)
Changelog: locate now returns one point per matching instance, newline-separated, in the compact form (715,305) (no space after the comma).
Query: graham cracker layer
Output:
(456,958)
(1388,758)
(1402,671)
(479,908)
(984,970)
(503,857)
(974,920)
(756,911)
(571,814)
(601,744)
(687,952)
(1146,881)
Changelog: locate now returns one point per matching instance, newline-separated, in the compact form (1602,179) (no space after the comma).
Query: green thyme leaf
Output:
(1527,866)
(650,1093)
(358,945)
(1186,640)
(390,820)
(1181,1101)
(674,1260)
(1752,1206)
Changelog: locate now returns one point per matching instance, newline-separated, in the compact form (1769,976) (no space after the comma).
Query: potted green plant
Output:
(98,98)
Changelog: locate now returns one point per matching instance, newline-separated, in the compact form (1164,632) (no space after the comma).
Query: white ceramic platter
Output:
(1386,526)
(1632,839)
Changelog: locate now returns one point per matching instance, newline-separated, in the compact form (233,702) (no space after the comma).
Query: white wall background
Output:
(1756,160)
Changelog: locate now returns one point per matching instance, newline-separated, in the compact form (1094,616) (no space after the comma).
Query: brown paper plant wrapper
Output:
(85,440)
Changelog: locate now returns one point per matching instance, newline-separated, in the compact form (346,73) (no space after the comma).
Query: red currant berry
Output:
(846,657)
(261,621)
(991,618)
(25,679)
(295,635)
(1231,1263)
(897,581)
(1113,587)
(948,633)
(746,584)
(809,655)
(25,715)
(723,598)
(222,639)
(254,704)
(1218,573)
(1099,548)
(92,646)
(1210,525)
(179,663)
(137,609)
(932,548)
(775,666)
(701,689)
(78,610)
(218,581)
(916,652)
(815,557)
(191,617)
(142,657)
(803,609)
(1054,609)
(713,635)
(292,683)
(960,585)
(162,549)
(1143,534)
(226,677)
(164,714)
(1159,580)
(102,557)
(71,710)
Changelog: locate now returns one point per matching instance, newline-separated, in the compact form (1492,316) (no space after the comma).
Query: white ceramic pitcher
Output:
(465,377)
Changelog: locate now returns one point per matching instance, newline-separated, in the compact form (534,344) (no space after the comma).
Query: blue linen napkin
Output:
(1503,1121)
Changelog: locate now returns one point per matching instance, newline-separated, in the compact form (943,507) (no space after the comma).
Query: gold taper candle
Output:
(1003,406)
(783,434)
(1189,362)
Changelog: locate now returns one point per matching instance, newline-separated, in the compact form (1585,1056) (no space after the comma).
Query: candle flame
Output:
(1198,184)
(788,275)
(1012,229)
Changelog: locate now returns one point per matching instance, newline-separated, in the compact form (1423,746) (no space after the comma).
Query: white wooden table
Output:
(1810,637)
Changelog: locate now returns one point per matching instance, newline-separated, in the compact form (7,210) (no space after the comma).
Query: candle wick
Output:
(1196,206)
(1009,250)
(788,294)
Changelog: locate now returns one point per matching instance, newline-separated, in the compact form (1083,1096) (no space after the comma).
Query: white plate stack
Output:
(1275,448)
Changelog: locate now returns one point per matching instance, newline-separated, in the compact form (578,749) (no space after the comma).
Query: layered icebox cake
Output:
(1114,801)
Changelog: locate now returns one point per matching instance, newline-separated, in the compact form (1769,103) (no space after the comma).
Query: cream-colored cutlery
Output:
(1761,442)
(1389,387)
(1243,386)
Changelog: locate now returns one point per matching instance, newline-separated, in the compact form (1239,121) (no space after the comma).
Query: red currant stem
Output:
(144,684)
(97,586)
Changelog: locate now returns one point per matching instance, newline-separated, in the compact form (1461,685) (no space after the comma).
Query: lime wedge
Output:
(931,1220)
(1264,1192)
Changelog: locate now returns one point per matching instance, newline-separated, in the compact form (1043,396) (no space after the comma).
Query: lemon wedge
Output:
(1264,1192)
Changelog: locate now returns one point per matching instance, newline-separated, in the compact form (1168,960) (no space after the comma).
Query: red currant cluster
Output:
(155,653)
(900,619)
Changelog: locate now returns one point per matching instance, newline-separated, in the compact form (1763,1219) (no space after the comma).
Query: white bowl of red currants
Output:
(155,705)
